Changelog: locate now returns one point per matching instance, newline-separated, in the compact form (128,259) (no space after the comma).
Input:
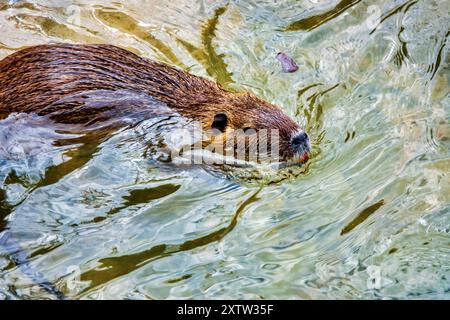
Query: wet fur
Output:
(87,84)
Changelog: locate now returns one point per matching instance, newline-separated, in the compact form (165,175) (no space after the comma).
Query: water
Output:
(368,217)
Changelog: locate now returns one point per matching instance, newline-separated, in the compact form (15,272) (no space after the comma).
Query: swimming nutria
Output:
(86,84)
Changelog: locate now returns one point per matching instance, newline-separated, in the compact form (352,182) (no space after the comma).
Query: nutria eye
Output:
(220,122)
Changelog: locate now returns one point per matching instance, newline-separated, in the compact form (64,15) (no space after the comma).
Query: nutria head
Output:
(255,130)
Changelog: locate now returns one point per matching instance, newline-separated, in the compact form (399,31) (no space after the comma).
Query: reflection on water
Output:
(368,217)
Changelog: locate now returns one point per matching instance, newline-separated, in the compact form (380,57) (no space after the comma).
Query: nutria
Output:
(87,84)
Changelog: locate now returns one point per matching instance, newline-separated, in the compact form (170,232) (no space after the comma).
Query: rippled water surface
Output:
(368,217)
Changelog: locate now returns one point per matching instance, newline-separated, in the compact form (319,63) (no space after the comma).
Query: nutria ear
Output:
(220,122)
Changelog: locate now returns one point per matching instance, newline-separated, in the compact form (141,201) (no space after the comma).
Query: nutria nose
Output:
(300,142)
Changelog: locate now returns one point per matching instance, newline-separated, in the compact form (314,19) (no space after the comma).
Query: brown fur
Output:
(56,81)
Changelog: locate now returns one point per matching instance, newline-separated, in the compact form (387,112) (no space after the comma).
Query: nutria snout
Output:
(90,84)
(301,145)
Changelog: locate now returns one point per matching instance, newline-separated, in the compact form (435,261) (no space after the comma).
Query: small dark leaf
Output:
(287,63)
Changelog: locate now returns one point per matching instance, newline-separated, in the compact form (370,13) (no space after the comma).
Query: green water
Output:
(368,217)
